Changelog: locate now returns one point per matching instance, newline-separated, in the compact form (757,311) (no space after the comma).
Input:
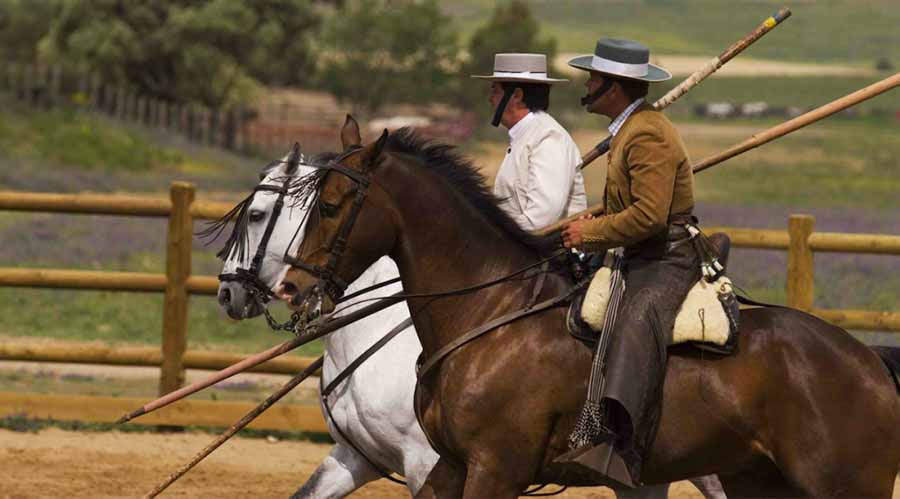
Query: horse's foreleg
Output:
(342,472)
(418,462)
(446,480)
(498,482)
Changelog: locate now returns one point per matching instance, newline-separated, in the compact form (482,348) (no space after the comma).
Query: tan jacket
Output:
(649,178)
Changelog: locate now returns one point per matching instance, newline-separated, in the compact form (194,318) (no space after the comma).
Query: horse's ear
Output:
(350,133)
(369,155)
(293,159)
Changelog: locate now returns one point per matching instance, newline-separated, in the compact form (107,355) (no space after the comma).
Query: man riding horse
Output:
(648,200)
(538,181)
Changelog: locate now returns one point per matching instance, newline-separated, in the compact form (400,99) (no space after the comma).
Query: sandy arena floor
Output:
(57,463)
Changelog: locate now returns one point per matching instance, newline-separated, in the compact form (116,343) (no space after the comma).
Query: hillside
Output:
(848,31)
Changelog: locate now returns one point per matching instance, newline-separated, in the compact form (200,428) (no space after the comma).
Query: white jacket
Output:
(539,181)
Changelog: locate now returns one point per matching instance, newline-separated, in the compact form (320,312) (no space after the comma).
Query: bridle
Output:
(249,278)
(328,281)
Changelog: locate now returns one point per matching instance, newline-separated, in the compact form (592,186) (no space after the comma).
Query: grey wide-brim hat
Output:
(623,58)
(527,68)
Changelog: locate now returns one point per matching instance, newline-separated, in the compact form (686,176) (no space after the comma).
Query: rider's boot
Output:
(607,459)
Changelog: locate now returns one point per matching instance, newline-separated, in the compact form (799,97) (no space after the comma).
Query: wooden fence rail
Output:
(800,240)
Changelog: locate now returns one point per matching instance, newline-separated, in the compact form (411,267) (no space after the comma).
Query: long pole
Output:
(694,79)
(316,330)
(760,139)
(244,421)
(801,121)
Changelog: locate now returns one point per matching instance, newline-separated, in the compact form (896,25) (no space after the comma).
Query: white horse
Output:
(374,406)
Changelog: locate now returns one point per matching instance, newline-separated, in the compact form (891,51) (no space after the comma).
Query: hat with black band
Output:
(524,68)
(623,59)
(519,68)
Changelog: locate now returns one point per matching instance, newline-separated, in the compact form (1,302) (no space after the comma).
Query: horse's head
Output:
(264,227)
(349,227)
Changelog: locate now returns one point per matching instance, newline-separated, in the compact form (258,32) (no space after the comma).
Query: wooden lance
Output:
(760,139)
(316,330)
(244,421)
(699,75)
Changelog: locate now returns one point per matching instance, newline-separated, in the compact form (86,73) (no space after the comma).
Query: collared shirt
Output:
(539,182)
(519,128)
(617,123)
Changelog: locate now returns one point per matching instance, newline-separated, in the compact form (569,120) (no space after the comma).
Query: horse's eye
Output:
(329,210)
(257,216)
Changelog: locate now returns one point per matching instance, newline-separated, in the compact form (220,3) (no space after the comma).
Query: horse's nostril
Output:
(289,288)
(225,296)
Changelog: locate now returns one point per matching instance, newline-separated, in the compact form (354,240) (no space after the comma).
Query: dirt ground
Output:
(57,463)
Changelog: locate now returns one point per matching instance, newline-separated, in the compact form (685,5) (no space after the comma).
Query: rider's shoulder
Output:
(549,127)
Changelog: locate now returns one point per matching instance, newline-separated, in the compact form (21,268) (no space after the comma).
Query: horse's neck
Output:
(347,343)
(446,244)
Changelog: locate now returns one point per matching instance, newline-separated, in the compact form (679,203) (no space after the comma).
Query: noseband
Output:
(329,282)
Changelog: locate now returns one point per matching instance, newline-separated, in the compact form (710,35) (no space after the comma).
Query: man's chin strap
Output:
(589,99)
(507,93)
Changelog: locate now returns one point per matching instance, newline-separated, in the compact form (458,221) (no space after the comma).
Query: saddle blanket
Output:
(701,317)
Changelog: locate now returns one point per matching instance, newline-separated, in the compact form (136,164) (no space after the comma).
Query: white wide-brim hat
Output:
(623,58)
(527,68)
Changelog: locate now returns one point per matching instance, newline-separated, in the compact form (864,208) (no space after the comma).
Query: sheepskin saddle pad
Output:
(702,318)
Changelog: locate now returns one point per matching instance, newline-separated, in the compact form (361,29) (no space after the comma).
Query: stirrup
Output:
(601,459)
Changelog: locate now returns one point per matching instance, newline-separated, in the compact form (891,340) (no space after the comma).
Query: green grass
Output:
(848,31)
(120,318)
(130,319)
(839,164)
(70,138)
(67,150)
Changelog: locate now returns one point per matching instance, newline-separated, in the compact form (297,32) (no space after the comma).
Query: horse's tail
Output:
(891,358)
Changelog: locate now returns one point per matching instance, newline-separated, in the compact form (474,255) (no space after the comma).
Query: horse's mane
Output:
(460,173)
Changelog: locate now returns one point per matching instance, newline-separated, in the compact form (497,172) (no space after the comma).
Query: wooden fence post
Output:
(55,85)
(800,262)
(178,269)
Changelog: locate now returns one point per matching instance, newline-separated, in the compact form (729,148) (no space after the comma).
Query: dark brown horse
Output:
(802,409)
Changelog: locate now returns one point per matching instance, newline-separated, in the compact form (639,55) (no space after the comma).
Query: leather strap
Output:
(365,356)
(343,375)
(539,285)
(429,364)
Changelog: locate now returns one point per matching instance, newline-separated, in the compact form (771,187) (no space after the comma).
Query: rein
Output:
(460,291)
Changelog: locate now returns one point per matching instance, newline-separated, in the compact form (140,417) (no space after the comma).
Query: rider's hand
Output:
(573,234)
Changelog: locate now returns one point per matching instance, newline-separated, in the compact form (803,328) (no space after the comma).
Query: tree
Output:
(378,52)
(22,24)
(207,51)
(512,28)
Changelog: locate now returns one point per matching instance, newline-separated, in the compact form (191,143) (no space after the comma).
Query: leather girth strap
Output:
(365,356)
(343,375)
(438,356)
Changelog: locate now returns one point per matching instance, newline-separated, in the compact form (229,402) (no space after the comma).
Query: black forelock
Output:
(445,160)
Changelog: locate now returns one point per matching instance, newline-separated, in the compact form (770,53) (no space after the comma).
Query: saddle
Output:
(707,318)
